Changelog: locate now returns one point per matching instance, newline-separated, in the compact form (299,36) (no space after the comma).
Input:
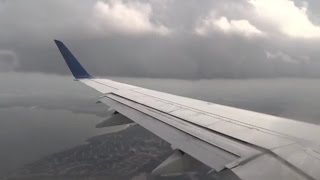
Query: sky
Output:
(260,55)
(164,38)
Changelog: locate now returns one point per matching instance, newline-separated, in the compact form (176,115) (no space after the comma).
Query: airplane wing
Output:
(251,145)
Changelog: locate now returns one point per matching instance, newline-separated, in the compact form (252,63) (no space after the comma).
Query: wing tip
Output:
(75,67)
(57,41)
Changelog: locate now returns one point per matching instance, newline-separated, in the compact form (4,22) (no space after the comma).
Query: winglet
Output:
(75,67)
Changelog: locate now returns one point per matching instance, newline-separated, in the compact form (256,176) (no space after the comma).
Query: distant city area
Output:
(129,154)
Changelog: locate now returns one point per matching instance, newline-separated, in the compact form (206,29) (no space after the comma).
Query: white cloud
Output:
(284,57)
(269,17)
(126,17)
(241,27)
(286,17)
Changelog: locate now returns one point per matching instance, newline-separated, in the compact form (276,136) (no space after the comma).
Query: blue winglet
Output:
(75,67)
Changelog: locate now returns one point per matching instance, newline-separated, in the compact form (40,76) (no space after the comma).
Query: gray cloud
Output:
(156,39)
(8,60)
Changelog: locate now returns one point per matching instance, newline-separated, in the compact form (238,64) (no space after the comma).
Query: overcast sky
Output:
(164,38)
(187,39)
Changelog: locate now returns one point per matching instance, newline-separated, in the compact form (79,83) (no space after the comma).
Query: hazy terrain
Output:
(44,114)
(244,41)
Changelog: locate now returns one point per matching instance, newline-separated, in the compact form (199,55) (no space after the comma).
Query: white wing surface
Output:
(252,145)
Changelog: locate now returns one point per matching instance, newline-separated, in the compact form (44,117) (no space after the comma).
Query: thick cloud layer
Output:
(207,39)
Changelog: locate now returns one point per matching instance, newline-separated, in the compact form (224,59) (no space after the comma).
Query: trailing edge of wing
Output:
(75,67)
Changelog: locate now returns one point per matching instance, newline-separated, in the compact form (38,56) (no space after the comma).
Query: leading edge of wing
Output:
(75,67)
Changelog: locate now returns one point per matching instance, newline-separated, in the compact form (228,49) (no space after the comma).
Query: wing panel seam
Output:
(221,117)
(261,149)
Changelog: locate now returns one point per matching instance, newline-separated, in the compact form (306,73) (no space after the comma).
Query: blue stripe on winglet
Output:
(75,67)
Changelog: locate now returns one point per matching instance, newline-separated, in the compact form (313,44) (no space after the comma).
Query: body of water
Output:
(44,114)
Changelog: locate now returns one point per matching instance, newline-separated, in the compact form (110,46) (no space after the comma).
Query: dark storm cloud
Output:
(162,43)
